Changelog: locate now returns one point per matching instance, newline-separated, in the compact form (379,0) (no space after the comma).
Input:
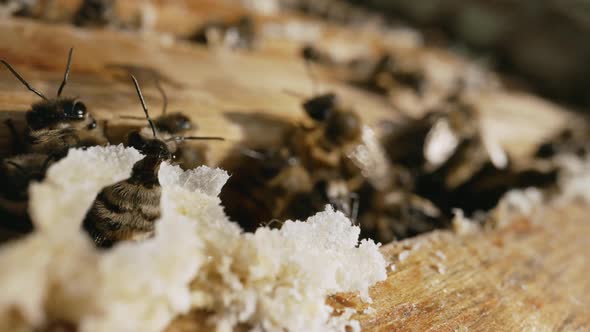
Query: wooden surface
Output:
(532,274)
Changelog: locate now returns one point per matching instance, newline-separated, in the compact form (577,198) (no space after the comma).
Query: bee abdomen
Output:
(123,211)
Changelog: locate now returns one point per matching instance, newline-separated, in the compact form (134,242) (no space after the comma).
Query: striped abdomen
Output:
(124,211)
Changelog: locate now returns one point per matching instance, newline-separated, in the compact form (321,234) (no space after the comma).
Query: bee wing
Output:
(497,155)
(370,157)
(440,143)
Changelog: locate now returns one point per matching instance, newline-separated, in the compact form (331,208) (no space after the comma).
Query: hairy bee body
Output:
(95,13)
(16,173)
(56,125)
(126,210)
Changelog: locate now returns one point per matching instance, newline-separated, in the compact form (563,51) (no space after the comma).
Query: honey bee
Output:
(384,75)
(127,210)
(263,185)
(176,124)
(398,214)
(16,173)
(381,74)
(22,8)
(56,124)
(309,170)
(573,140)
(234,35)
(95,13)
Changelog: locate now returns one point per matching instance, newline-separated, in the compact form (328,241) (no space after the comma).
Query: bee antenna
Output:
(164,96)
(66,74)
(314,81)
(22,80)
(354,212)
(145,110)
(292,93)
(184,138)
(252,153)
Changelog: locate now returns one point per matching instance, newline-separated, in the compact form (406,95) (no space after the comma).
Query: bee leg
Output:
(16,142)
(354,211)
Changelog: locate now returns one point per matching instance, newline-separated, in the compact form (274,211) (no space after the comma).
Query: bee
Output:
(56,124)
(399,214)
(307,171)
(22,8)
(234,35)
(569,141)
(387,75)
(264,182)
(95,13)
(176,124)
(128,210)
(457,146)
(381,74)
(16,173)
(312,54)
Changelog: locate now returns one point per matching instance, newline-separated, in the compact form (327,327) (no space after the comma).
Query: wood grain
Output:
(530,275)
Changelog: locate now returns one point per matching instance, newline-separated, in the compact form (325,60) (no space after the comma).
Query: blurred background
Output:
(541,44)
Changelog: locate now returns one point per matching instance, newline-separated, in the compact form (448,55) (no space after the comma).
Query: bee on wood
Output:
(95,13)
(234,35)
(385,74)
(127,210)
(263,185)
(176,124)
(21,8)
(16,173)
(56,124)
(573,140)
(399,214)
(309,170)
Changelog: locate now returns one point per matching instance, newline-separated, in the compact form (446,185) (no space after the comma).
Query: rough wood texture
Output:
(532,274)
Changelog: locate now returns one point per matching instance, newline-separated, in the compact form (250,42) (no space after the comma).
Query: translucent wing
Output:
(440,144)
(370,157)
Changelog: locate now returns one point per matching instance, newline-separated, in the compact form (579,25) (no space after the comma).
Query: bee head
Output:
(174,123)
(151,147)
(50,112)
(343,126)
(310,53)
(320,107)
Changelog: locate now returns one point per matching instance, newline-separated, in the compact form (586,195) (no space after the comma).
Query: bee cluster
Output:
(403,181)
(124,211)
(406,181)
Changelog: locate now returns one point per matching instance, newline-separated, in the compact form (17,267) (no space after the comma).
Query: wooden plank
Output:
(530,275)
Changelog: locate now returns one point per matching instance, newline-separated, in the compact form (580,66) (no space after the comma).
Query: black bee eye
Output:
(320,107)
(77,110)
(92,125)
